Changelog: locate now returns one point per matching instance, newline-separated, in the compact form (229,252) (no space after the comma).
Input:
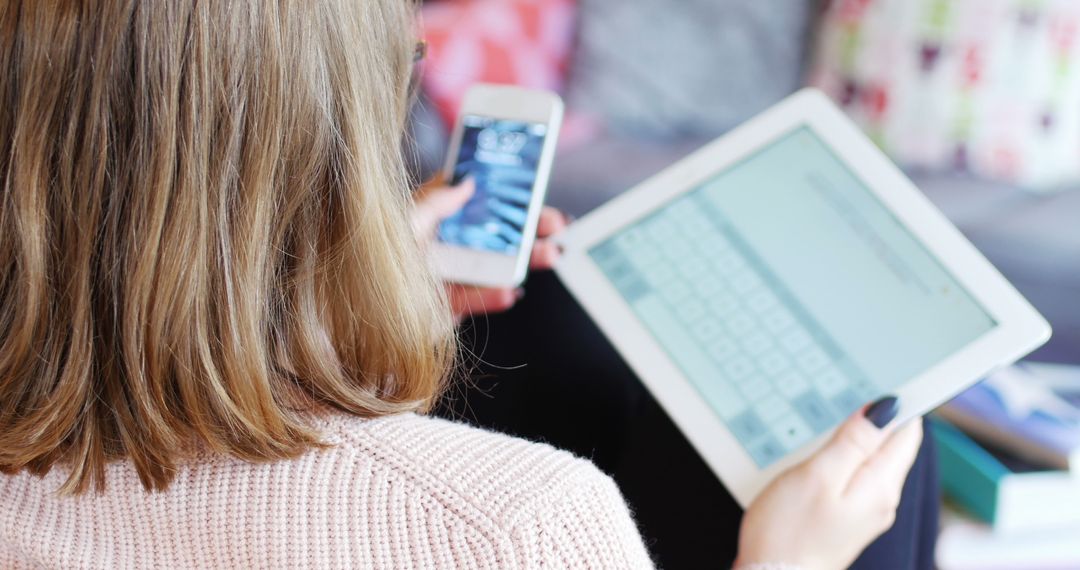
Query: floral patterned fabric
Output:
(990,87)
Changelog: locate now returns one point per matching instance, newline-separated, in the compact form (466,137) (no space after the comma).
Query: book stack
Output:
(1009,455)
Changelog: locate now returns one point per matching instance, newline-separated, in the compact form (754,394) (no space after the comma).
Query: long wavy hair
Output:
(204,231)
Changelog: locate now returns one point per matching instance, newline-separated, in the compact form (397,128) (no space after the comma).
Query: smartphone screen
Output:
(502,157)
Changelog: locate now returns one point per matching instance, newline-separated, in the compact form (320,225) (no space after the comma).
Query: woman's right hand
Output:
(435,201)
(822,513)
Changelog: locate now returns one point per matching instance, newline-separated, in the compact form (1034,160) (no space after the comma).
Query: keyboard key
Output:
(708,286)
(829,381)
(814,411)
(645,256)
(791,384)
(708,329)
(739,323)
(695,226)
(633,289)
(812,360)
(693,269)
(660,230)
(606,253)
(771,407)
(773,362)
(681,209)
(729,263)
(795,340)
(674,291)
(747,427)
(754,388)
(738,368)
(756,343)
(631,239)
(713,246)
(746,282)
(689,310)
(658,268)
(723,304)
(861,385)
(677,250)
(617,270)
(767,452)
(761,301)
(791,431)
(847,401)
(777,320)
(722,349)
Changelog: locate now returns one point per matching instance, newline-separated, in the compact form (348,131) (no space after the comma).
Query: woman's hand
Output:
(435,201)
(821,514)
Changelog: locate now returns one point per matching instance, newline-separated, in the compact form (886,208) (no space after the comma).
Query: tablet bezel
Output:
(1020,327)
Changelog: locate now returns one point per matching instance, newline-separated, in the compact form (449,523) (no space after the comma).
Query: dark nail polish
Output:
(883,411)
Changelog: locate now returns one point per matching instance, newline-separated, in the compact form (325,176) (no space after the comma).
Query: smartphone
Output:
(504,140)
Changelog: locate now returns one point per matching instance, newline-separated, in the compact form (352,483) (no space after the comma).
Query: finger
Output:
(436,203)
(436,181)
(544,255)
(887,469)
(466,300)
(551,222)
(854,442)
(445,200)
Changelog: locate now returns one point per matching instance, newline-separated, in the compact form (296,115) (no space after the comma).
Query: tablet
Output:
(770,284)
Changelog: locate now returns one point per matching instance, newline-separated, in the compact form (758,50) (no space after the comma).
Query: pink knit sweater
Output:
(398,492)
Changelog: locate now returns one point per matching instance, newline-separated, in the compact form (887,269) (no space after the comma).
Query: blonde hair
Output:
(204,231)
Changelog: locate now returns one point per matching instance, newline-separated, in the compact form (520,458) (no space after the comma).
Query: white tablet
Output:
(771,283)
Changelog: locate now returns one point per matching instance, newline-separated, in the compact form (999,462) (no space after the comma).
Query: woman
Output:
(217,326)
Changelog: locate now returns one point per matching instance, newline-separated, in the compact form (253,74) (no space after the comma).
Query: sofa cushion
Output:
(518,42)
(693,67)
(986,86)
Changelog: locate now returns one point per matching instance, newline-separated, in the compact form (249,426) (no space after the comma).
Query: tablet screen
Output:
(788,294)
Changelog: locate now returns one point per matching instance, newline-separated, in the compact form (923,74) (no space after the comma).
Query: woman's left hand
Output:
(435,202)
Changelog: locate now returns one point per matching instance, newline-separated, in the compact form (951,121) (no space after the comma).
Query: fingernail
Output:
(883,411)
(568,218)
(519,293)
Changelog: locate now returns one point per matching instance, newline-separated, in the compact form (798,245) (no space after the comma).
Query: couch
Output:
(662,81)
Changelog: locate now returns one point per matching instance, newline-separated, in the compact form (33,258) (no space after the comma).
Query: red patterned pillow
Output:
(520,42)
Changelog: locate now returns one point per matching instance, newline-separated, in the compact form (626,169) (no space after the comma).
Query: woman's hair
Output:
(204,231)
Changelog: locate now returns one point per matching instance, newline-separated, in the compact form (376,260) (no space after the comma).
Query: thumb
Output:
(443,201)
(434,204)
(856,441)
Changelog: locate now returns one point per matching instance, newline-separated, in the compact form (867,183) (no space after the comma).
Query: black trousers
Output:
(544,372)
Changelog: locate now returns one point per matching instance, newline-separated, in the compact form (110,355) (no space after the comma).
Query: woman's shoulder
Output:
(493,469)
(403,490)
(551,507)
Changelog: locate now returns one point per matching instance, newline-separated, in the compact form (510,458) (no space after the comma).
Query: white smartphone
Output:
(504,140)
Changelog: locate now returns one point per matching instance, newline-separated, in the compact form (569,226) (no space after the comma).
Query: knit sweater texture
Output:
(397,492)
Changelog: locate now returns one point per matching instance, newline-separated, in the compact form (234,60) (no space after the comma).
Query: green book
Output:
(1009,495)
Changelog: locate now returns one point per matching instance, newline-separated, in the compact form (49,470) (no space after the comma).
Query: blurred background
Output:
(978,100)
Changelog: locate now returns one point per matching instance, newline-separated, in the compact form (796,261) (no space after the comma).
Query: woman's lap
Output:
(544,372)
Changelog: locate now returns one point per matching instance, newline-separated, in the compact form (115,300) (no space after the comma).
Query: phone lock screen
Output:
(502,157)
